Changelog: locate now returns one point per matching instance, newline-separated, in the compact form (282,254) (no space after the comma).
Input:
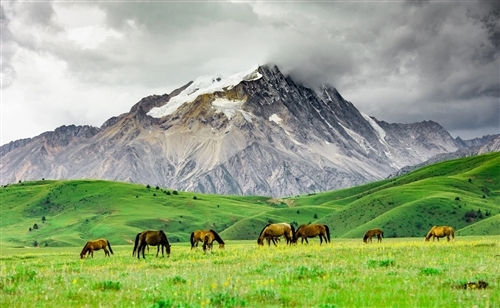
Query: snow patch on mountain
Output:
(379,130)
(203,85)
(275,118)
(228,107)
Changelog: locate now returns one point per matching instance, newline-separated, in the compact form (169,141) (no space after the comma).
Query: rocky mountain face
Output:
(254,133)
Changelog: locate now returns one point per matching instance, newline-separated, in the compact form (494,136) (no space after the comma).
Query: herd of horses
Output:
(272,232)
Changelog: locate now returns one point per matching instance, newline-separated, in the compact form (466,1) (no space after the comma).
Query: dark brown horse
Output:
(96,245)
(312,230)
(207,237)
(152,238)
(371,233)
(273,231)
(440,231)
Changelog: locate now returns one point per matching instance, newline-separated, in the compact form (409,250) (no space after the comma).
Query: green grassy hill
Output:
(463,193)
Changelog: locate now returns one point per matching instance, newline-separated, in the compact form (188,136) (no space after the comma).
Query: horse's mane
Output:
(293,230)
(301,226)
(217,237)
(429,234)
(264,229)
(84,247)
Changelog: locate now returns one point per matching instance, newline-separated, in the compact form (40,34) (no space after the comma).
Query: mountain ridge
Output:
(253,133)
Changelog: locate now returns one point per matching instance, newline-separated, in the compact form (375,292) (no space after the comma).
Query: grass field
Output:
(78,210)
(404,272)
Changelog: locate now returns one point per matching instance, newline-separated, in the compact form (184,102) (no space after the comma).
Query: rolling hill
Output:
(463,193)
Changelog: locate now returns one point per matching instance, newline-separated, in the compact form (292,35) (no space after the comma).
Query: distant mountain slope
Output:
(486,144)
(463,193)
(253,133)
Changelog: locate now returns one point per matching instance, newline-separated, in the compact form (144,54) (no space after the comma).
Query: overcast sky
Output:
(83,62)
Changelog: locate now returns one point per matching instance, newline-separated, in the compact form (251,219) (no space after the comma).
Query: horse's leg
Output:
(307,242)
(106,252)
(92,251)
(320,239)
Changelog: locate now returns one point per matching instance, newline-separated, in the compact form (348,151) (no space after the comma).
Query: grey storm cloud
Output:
(398,61)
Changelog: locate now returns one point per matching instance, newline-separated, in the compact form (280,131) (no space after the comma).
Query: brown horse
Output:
(312,230)
(152,238)
(207,237)
(441,231)
(273,231)
(96,245)
(371,233)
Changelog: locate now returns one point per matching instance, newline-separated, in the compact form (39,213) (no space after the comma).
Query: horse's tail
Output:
(109,246)
(452,232)
(136,244)
(217,237)
(293,232)
(191,239)
(382,233)
(84,250)
(327,233)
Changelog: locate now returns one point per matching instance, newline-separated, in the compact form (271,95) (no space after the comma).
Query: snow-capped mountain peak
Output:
(203,85)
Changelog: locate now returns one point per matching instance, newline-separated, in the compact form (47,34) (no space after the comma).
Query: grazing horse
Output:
(441,231)
(312,230)
(152,238)
(371,233)
(96,245)
(207,237)
(273,231)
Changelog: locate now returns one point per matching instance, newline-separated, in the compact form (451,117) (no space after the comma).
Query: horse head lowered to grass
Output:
(90,246)
(273,231)
(440,231)
(207,237)
(152,238)
(371,233)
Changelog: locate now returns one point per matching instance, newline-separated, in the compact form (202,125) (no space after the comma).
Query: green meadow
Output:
(403,272)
